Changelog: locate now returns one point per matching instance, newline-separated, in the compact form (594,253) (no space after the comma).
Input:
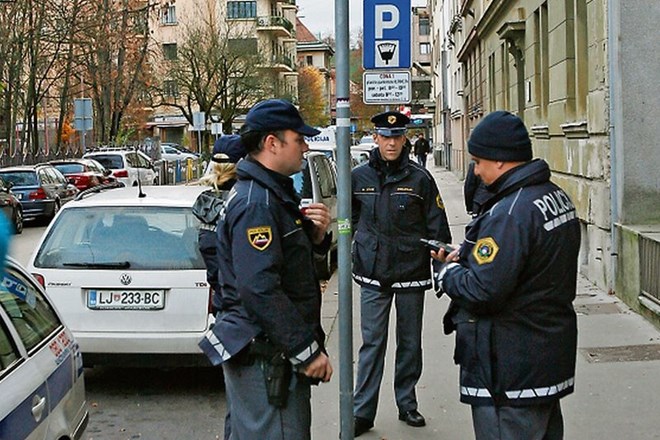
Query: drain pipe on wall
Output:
(616,132)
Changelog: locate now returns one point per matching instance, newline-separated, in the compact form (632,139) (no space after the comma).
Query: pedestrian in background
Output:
(512,284)
(422,148)
(395,202)
(268,335)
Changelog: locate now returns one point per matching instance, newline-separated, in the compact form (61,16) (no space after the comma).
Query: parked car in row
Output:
(127,276)
(172,154)
(180,147)
(317,183)
(128,166)
(11,206)
(41,189)
(84,173)
(41,371)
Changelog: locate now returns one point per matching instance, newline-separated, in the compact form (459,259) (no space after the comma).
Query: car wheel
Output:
(324,266)
(18,221)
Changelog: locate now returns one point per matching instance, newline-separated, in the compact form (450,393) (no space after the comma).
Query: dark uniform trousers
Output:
(375,309)
(535,422)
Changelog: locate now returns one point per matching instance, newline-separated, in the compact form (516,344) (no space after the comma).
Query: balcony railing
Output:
(274,21)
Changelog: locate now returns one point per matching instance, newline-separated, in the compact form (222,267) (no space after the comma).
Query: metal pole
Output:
(344,223)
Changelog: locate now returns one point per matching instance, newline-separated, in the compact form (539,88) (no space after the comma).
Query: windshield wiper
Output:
(117,265)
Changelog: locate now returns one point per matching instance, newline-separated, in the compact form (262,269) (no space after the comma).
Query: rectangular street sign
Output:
(386,34)
(382,87)
(83,114)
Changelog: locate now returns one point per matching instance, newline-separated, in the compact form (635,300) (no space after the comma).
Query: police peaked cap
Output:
(230,147)
(390,123)
(277,114)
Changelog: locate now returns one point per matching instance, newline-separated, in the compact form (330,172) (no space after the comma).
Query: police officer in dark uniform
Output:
(395,203)
(512,285)
(227,151)
(268,336)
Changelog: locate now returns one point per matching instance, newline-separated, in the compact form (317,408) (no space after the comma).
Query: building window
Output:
(506,86)
(169,51)
(580,55)
(492,83)
(244,9)
(243,45)
(424,26)
(424,48)
(170,88)
(168,15)
(310,60)
(541,60)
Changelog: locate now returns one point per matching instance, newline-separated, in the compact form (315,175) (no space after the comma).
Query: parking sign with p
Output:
(386,34)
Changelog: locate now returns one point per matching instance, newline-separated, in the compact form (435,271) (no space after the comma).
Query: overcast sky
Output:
(319,15)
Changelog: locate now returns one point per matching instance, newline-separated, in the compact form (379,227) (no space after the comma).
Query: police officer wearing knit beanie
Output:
(512,284)
(498,143)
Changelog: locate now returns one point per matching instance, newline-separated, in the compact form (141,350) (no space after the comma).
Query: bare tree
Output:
(115,47)
(215,70)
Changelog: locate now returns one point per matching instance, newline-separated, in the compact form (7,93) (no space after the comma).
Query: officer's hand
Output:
(320,368)
(443,257)
(320,215)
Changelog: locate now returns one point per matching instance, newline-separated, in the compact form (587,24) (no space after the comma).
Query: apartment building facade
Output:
(566,68)
(311,51)
(266,27)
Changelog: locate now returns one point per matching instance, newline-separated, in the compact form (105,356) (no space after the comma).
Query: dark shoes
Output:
(412,418)
(361,425)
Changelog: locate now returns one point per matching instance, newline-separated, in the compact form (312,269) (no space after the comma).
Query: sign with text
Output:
(386,87)
(386,35)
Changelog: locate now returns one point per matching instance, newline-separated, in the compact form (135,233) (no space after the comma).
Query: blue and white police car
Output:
(42,391)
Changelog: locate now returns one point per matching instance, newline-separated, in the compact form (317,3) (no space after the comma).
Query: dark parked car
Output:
(84,173)
(41,189)
(11,207)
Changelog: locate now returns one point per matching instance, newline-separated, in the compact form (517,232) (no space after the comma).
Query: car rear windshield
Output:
(140,238)
(70,168)
(111,161)
(20,178)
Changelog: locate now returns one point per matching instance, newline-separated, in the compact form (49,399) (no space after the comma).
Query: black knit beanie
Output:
(501,136)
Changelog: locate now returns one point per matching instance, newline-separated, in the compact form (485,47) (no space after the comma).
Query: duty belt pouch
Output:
(277,374)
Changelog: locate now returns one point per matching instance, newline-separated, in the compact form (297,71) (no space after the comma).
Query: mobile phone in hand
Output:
(436,245)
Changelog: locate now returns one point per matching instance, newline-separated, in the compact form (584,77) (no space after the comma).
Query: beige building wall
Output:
(545,61)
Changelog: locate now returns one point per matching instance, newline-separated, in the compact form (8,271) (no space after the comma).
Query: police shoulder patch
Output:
(439,202)
(485,250)
(260,237)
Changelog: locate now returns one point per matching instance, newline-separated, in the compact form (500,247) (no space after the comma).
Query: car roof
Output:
(20,168)
(177,196)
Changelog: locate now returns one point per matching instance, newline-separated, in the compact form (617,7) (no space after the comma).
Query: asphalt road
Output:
(144,403)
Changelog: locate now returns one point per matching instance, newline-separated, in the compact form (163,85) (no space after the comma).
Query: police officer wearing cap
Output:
(268,336)
(395,203)
(512,284)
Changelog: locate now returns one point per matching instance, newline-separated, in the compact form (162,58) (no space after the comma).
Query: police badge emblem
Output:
(391,119)
(260,238)
(485,250)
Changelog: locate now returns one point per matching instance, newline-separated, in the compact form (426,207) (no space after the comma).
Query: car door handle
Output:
(38,406)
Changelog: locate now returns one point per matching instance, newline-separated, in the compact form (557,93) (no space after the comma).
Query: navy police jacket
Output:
(512,292)
(265,255)
(394,205)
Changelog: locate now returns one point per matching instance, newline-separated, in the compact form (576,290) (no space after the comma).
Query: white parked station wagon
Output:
(126,273)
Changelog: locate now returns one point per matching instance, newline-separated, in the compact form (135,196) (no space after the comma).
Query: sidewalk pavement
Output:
(617,379)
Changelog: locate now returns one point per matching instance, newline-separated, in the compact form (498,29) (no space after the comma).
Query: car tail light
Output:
(40,279)
(39,194)
(120,173)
